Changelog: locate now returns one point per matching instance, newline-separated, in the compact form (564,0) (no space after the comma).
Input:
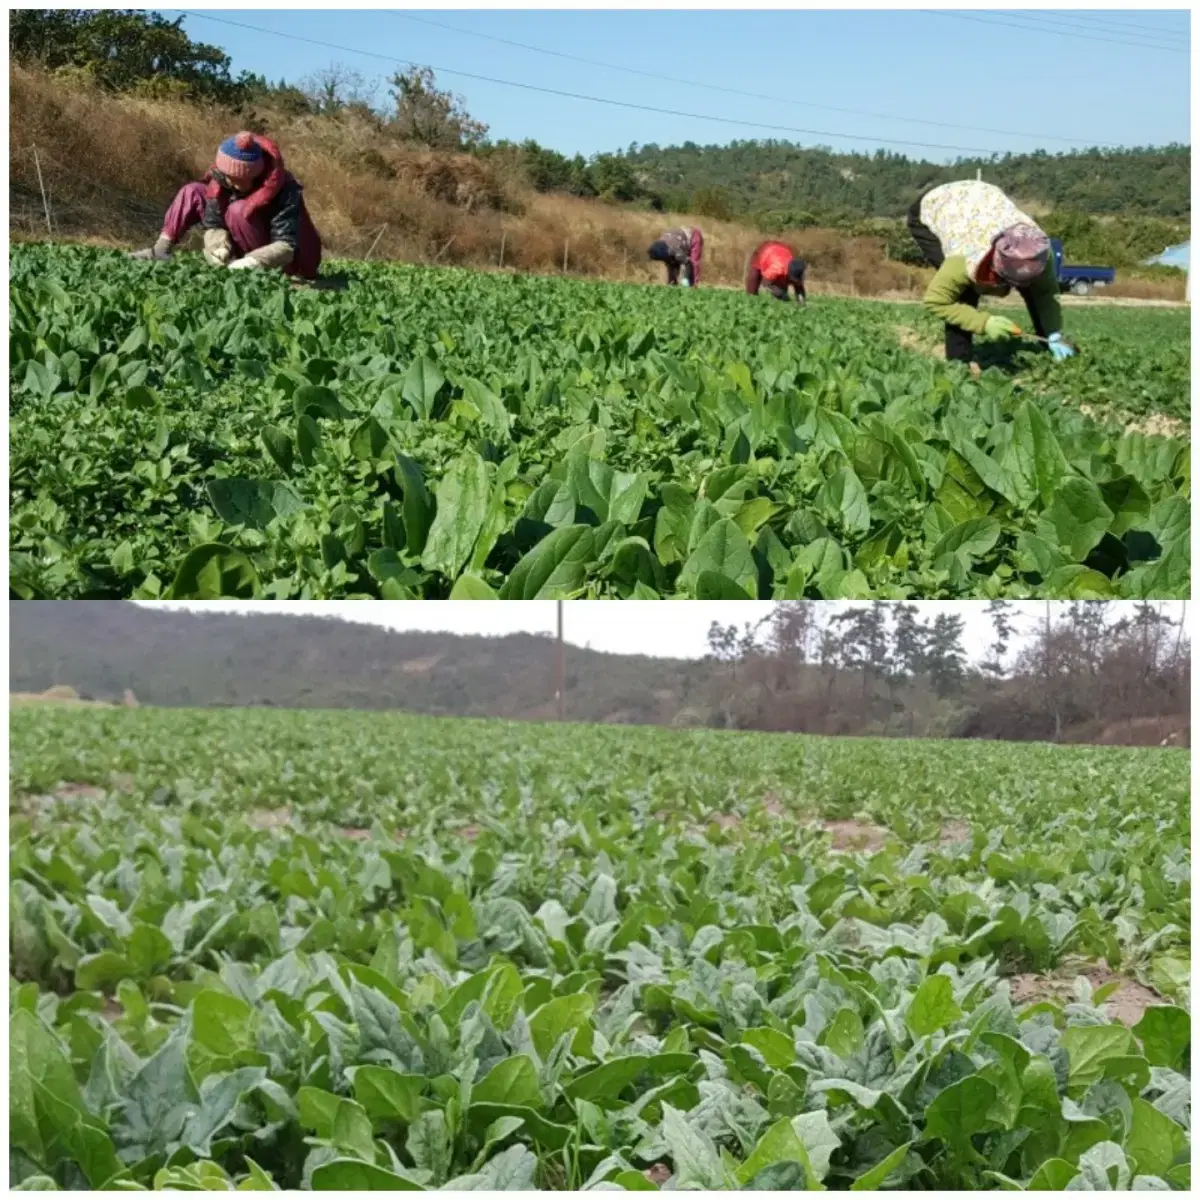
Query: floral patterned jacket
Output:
(968,216)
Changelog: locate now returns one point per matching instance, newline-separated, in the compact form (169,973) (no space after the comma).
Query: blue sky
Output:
(987,79)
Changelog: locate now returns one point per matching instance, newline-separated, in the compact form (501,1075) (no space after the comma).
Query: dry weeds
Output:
(112,165)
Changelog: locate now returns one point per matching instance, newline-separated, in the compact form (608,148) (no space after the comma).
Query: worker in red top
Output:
(775,266)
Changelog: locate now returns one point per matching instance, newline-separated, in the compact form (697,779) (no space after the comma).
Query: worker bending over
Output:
(776,266)
(251,210)
(983,245)
(681,251)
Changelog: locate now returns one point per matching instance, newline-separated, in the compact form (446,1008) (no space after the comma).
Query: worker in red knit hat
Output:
(776,266)
(252,212)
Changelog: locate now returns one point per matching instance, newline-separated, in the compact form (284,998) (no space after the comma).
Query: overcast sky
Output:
(666,629)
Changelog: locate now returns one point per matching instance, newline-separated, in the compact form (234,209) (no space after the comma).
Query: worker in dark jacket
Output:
(776,266)
(680,250)
(251,210)
(982,244)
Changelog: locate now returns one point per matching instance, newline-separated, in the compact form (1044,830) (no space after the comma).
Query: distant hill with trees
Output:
(1097,673)
(798,185)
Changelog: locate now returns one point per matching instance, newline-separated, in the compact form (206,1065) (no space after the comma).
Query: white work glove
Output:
(217,247)
(277,255)
(249,263)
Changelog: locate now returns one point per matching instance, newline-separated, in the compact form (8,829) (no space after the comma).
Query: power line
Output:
(713,87)
(669,112)
(1157,44)
(1105,23)
(1042,29)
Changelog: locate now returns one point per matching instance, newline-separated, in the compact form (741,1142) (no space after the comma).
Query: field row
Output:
(345,950)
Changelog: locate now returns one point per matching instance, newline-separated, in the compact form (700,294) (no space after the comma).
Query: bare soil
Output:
(1151,424)
(270,818)
(855,835)
(470,832)
(773,806)
(55,695)
(421,666)
(78,791)
(1126,1005)
(954,831)
(354,833)
(1147,731)
(112,1011)
(659,1173)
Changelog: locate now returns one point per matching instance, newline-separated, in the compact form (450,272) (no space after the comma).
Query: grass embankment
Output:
(110,166)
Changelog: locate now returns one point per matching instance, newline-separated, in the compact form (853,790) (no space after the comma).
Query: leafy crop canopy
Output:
(349,951)
(180,432)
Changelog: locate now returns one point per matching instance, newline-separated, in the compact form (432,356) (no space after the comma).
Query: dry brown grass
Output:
(1137,288)
(112,164)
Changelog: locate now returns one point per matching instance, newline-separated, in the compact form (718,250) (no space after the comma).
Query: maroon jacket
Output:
(279,200)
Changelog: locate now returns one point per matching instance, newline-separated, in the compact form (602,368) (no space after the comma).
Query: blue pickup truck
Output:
(1079,281)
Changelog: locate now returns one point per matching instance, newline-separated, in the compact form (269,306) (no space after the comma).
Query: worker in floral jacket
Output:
(776,266)
(983,245)
(681,251)
(251,210)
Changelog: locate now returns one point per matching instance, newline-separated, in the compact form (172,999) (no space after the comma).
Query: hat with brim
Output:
(1020,254)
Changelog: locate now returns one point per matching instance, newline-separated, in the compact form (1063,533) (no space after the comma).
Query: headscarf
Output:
(1020,254)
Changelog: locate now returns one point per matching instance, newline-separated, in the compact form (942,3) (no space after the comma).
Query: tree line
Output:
(771,185)
(1081,669)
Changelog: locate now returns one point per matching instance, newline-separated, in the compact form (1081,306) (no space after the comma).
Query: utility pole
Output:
(558,664)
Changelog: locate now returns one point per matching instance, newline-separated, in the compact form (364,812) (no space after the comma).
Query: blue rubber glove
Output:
(1059,348)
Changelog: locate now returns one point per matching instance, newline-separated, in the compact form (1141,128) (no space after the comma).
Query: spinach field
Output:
(347,950)
(180,432)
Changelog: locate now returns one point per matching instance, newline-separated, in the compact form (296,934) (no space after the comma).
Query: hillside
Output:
(766,176)
(117,652)
(184,658)
(109,164)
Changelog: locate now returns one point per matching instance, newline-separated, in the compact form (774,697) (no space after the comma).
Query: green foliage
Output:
(126,50)
(713,202)
(1127,242)
(768,175)
(180,431)
(348,951)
